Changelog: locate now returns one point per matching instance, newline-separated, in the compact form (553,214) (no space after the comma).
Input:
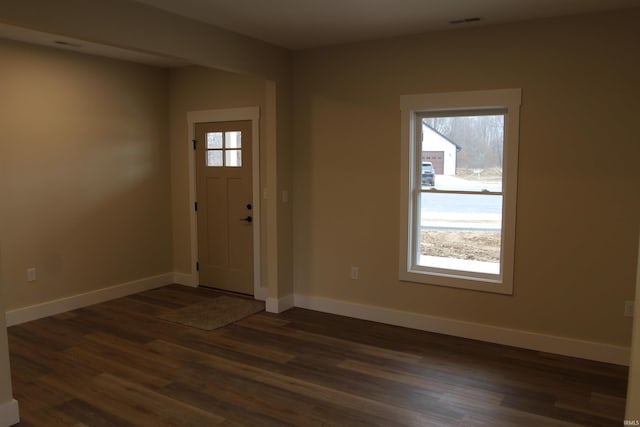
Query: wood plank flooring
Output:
(117,364)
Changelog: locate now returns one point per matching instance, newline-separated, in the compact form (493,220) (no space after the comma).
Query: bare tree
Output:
(480,138)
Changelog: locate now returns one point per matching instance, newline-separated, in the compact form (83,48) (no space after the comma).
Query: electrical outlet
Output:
(628,308)
(355,273)
(31,274)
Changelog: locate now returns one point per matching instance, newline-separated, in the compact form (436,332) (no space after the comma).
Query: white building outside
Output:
(439,150)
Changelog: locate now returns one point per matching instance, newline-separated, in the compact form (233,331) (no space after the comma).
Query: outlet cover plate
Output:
(628,308)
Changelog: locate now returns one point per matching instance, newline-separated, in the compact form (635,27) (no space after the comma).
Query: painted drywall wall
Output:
(6,392)
(132,25)
(9,413)
(577,206)
(633,393)
(84,173)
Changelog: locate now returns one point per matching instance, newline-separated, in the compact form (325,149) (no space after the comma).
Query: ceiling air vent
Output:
(66,43)
(465,20)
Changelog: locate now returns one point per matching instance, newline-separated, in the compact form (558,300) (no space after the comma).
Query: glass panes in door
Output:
(224,149)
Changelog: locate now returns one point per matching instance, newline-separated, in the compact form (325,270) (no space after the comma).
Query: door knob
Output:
(248,219)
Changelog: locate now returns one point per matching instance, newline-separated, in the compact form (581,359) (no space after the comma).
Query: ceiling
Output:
(301,24)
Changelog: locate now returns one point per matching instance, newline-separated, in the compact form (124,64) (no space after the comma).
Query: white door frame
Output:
(227,115)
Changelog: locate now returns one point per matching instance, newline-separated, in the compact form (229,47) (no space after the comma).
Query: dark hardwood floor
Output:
(117,364)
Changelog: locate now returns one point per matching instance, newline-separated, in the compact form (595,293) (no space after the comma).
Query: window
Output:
(224,149)
(459,173)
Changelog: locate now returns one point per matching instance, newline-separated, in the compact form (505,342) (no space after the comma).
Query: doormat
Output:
(214,313)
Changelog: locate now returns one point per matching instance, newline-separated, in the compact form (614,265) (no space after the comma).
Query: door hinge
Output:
(195,142)
(197,266)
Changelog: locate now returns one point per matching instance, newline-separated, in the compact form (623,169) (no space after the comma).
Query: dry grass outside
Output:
(468,245)
(488,174)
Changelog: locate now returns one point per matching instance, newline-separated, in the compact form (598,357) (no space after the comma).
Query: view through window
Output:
(460,201)
(224,149)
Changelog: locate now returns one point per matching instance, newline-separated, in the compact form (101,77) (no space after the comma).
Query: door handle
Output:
(248,219)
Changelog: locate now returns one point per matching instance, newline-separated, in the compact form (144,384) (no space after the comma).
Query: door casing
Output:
(224,115)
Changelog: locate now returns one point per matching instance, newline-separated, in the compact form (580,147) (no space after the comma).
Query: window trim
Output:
(412,105)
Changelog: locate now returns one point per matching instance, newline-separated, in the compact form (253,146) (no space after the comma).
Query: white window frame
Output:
(413,105)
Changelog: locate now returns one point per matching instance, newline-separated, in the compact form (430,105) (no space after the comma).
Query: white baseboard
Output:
(517,338)
(278,305)
(50,308)
(530,340)
(9,413)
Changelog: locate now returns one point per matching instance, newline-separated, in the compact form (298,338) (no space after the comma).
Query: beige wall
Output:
(6,394)
(633,394)
(284,167)
(5,374)
(577,217)
(65,248)
(84,173)
(132,25)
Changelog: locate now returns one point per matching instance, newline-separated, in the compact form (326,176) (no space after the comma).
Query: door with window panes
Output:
(225,211)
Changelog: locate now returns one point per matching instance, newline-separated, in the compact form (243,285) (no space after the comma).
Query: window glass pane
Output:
(460,232)
(233,158)
(214,158)
(214,140)
(464,152)
(233,139)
